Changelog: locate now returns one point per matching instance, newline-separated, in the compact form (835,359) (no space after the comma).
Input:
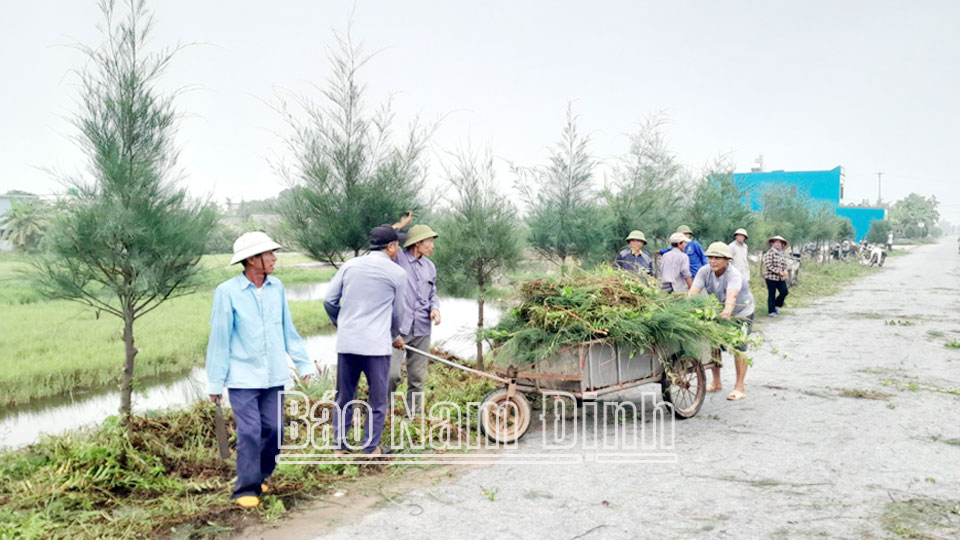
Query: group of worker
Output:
(384,305)
(723,270)
(379,302)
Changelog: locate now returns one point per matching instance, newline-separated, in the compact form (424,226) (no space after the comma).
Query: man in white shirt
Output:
(739,250)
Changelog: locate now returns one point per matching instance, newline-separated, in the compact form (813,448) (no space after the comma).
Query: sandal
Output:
(380,452)
(736,395)
(714,387)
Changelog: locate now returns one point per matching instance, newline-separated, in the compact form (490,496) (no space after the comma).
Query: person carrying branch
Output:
(730,286)
(775,273)
(251,334)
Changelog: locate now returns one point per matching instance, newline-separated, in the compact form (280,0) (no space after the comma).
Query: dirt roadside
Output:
(848,431)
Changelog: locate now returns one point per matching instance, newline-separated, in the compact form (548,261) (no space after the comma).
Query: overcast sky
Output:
(871,86)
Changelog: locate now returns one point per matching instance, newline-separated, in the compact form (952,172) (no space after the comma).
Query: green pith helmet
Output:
(719,249)
(684,229)
(417,233)
(637,235)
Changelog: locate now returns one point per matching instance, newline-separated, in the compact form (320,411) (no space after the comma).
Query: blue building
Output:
(820,186)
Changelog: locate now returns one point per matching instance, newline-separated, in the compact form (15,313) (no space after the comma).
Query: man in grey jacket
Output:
(365,301)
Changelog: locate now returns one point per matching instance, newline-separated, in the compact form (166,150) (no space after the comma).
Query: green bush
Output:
(879,231)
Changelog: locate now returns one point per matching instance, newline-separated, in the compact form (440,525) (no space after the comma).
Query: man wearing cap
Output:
(739,250)
(634,258)
(365,301)
(775,273)
(675,266)
(693,250)
(422,308)
(730,286)
(251,334)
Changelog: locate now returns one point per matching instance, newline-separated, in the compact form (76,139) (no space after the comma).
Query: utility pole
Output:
(879,187)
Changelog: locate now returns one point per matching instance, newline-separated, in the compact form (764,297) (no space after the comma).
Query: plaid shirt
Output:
(774,263)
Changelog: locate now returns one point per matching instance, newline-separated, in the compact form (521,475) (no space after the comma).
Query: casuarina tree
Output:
(346,174)
(564,216)
(719,206)
(647,186)
(129,238)
(479,233)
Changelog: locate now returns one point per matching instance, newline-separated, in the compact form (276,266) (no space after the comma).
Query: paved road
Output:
(801,457)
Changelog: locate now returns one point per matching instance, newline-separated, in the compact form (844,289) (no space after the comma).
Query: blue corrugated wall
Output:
(821,186)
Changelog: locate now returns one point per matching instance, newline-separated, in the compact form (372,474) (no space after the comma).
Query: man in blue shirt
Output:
(251,334)
(693,250)
(634,258)
(365,301)
(422,309)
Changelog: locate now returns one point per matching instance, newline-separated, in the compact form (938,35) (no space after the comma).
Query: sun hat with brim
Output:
(677,237)
(719,249)
(637,235)
(684,229)
(780,238)
(418,233)
(250,244)
(741,231)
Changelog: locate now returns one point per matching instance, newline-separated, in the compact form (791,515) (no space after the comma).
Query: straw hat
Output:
(250,244)
(741,231)
(778,237)
(637,235)
(684,229)
(418,233)
(719,249)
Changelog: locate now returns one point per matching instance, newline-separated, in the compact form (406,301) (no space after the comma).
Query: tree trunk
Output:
(480,284)
(126,381)
(480,327)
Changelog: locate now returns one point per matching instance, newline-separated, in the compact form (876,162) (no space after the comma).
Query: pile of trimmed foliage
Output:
(610,305)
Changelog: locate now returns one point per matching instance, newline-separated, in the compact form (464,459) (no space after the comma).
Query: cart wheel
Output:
(504,420)
(686,388)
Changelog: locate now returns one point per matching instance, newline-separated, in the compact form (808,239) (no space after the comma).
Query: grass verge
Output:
(815,281)
(166,477)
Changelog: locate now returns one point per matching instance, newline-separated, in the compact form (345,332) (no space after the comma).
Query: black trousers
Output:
(776,292)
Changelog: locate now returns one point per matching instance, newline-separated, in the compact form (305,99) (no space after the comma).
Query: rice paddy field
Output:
(54,347)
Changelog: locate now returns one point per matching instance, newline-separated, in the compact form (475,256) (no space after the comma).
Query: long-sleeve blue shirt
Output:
(421,293)
(251,334)
(697,259)
(365,301)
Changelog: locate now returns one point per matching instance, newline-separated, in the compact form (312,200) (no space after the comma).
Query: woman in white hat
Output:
(251,334)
